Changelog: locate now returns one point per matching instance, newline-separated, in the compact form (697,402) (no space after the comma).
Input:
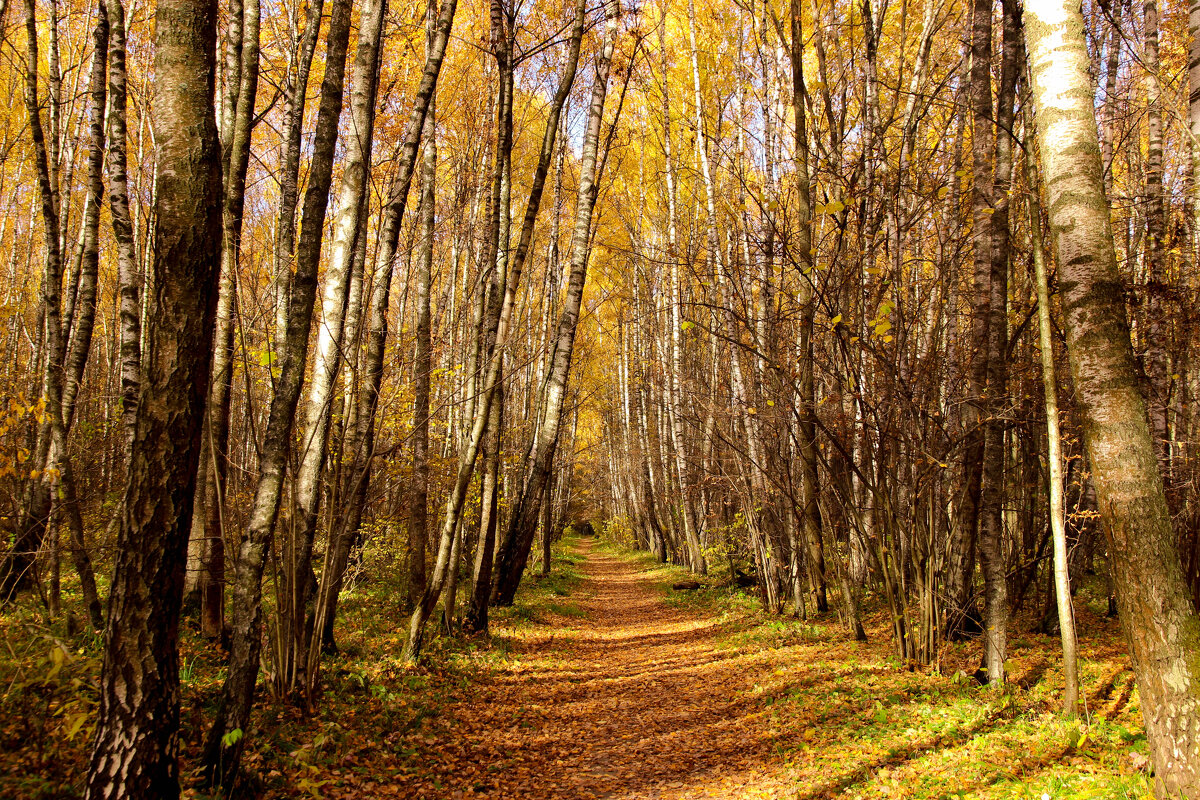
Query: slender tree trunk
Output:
(1157,356)
(289,182)
(476,618)
(675,407)
(806,433)
(966,526)
(991,503)
(318,411)
(1058,521)
(418,504)
(514,549)
(135,748)
(1157,615)
(19,564)
(128,280)
(77,335)
(350,490)
(208,525)
(220,760)
(361,444)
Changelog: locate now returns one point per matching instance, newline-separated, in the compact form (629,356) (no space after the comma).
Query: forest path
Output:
(632,700)
(618,694)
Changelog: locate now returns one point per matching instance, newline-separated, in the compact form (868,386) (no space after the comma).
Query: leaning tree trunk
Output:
(233,711)
(488,309)
(360,445)
(314,439)
(1058,519)
(1159,620)
(514,548)
(136,746)
(477,614)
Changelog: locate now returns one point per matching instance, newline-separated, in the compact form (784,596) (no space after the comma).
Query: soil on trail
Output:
(631,700)
(626,696)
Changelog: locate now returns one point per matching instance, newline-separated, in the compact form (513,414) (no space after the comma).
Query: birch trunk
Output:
(136,745)
(314,439)
(221,761)
(1157,615)
(128,280)
(991,504)
(19,564)
(418,507)
(675,406)
(208,523)
(1058,520)
(361,444)
(289,183)
(514,549)
(1157,358)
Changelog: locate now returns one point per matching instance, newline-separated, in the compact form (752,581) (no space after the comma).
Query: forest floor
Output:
(602,682)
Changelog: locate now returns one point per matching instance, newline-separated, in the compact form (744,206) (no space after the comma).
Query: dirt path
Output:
(629,698)
(632,700)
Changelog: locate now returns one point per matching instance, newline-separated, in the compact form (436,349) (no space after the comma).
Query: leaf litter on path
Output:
(634,698)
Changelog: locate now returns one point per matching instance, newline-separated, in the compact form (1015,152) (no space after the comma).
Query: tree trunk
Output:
(1058,520)
(991,494)
(1157,358)
(1159,620)
(296,89)
(514,549)
(128,280)
(418,504)
(675,405)
(221,761)
(136,744)
(17,572)
(806,433)
(331,343)
(209,526)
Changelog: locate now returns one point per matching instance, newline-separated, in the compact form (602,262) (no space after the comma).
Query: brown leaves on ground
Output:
(641,699)
(620,692)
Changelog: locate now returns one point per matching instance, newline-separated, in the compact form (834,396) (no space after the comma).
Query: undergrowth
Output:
(370,698)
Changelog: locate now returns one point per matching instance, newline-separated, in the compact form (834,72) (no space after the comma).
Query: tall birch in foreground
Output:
(136,744)
(1157,615)
(514,548)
